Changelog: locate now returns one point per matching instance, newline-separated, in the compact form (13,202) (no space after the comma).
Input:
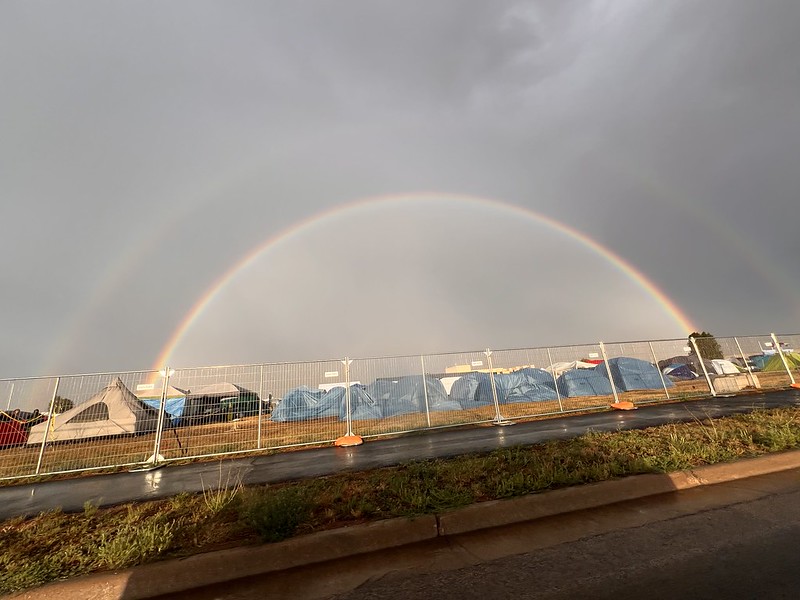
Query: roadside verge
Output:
(185,574)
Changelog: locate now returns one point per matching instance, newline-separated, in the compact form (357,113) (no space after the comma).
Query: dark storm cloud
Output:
(145,147)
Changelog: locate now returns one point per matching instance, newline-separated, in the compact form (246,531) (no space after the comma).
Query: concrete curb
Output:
(181,575)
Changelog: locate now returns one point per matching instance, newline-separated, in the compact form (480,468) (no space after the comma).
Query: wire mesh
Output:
(678,363)
(635,372)
(525,384)
(759,352)
(97,421)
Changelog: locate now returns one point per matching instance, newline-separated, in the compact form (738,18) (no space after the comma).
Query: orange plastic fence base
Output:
(796,385)
(623,406)
(349,440)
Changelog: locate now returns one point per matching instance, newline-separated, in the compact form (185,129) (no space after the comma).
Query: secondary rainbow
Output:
(667,304)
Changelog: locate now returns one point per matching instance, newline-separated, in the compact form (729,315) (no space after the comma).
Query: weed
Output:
(276,516)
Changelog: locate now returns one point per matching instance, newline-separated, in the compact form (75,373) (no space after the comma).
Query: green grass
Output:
(55,546)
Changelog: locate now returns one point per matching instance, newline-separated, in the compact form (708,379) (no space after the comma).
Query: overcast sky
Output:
(147,147)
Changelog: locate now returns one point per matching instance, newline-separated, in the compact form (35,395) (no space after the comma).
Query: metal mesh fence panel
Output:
(790,345)
(581,385)
(97,421)
(24,403)
(213,410)
(760,354)
(676,362)
(461,374)
(525,384)
(635,372)
(391,395)
(301,411)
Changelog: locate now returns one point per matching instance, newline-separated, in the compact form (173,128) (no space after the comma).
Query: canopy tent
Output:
(634,374)
(584,382)
(217,402)
(112,411)
(774,362)
(464,388)
(518,386)
(298,404)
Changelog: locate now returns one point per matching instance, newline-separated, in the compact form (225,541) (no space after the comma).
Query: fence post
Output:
(349,438)
(10,395)
(50,418)
(783,360)
(660,374)
(617,403)
(555,380)
(703,366)
(746,364)
(498,418)
(156,457)
(260,404)
(425,391)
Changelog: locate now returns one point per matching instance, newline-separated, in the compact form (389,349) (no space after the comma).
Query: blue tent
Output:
(298,404)
(633,374)
(515,387)
(584,382)
(362,405)
(679,372)
(464,388)
(539,375)
(407,395)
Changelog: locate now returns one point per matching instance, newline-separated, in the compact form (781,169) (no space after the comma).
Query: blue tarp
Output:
(299,404)
(362,405)
(515,387)
(633,374)
(539,375)
(679,372)
(407,395)
(173,406)
(584,382)
(464,388)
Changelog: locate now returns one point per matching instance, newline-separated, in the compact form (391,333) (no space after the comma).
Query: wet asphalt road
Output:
(102,490)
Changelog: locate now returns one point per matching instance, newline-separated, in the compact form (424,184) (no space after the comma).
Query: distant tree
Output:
(707,345)
(61,404)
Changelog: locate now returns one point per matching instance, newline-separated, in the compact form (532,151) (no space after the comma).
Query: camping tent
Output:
(774,362)
(464,388)
(634,374)
(12,433)
(362,406)
(519,386)
(112,411)
(409,394)
(679,372)
(298,404)
(560,367)
(218,401)
(584,382)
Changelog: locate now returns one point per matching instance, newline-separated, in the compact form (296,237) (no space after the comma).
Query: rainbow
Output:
(623,266)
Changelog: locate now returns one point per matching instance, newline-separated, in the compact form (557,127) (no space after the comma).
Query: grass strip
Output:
(55,545)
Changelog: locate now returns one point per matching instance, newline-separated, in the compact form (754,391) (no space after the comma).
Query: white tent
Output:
(112,411)
(559,367)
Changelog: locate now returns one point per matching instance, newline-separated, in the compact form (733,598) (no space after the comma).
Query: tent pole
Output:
(50,419)
(783,360)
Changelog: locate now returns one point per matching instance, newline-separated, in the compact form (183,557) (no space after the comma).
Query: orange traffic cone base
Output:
(623,406)
(349,440)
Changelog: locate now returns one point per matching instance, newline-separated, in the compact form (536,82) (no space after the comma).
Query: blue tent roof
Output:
(464,388)
(584,382)
(633,374)
(408,395)
(515,387)
(298,404)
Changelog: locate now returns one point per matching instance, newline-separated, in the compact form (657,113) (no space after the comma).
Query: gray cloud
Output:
(145,148)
